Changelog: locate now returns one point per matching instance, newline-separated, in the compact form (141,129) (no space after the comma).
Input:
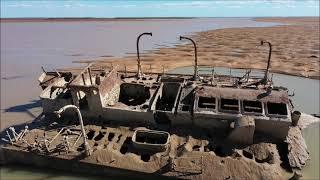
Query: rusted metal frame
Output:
(83,80)
(89,71)
(139,73)
(269,59)
(242,94)
(195,75)
(88,150)
(80,74)
(48,80)
(105,84)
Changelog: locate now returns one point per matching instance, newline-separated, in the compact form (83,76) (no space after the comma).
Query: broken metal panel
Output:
(183,114)
(47,78)
(55,96)
(168,96)
(186,99)
(244,94)
(111,79)
(78,80)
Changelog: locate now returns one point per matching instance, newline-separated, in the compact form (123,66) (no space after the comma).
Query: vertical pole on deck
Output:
(195,75)
(139,73)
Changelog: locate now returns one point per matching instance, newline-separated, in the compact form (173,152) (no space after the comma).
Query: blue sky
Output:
(158,8)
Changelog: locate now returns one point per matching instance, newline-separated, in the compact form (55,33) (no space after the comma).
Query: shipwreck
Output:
(146,124)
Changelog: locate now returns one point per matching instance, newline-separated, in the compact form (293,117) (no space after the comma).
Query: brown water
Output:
(25,47)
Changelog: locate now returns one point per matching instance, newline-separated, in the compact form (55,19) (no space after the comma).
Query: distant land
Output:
(68,19)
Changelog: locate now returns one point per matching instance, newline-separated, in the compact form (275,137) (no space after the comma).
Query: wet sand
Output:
(295,49)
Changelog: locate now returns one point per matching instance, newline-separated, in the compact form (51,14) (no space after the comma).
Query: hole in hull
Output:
(123,149)
(119,137)
(110,136)
(196,148)
(247,154)
(100,136)
(90,134)
(223,151)
(145,157)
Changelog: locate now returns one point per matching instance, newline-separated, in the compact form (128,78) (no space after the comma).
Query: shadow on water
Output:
(24,107)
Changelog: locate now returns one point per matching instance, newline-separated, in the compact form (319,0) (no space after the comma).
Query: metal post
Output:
(84,82)
(86,144)
(195,75)
(269,59)
(43,70)
(125,70)
(89,71)
(139,73)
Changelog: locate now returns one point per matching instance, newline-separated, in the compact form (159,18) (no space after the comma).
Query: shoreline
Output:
(275,19)
(295,49)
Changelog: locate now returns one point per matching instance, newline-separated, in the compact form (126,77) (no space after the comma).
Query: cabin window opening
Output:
(277,108)
(83,102)
(185,107)
(252,106)
(133,94)
(230,104)
(207,102)
(166,101)
(66,94)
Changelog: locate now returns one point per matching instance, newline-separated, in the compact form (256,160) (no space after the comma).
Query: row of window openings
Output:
(227,105)
(248,106)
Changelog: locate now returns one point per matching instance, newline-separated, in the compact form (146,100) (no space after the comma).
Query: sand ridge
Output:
(295,49)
